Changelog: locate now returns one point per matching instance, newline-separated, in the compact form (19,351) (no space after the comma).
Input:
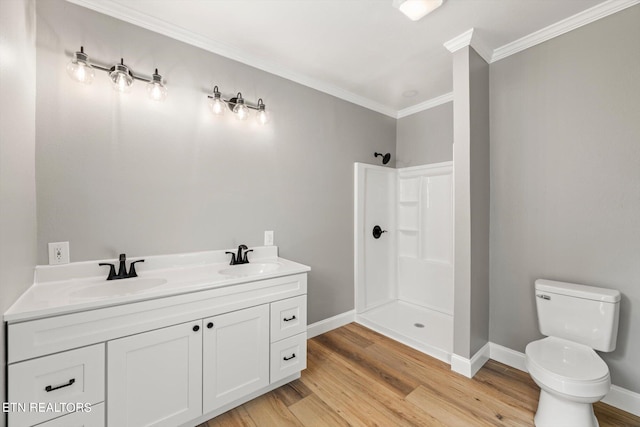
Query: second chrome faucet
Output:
(240,257)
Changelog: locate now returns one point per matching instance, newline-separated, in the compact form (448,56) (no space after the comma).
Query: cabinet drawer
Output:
(73,376)
(288,356)
(288,317)
(94,418)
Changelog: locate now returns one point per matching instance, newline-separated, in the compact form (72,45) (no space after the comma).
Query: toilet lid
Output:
(565,367)
(567,359)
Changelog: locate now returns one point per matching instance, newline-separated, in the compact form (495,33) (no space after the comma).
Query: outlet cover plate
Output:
(59,253)
(268,238)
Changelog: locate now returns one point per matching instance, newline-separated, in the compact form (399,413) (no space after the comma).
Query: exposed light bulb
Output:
(263,116)
(216,103)
(241,111)
(80,69)
(121,77)
(156,89)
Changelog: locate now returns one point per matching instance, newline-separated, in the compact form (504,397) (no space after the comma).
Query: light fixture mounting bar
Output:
(136,76)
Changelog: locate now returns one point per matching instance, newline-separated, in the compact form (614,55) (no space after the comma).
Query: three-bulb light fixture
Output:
(82,70)
(238,106)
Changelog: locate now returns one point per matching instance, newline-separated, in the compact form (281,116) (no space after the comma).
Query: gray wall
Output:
(122,174)
(471,195)
(425,137)
(565,179)
(17,165)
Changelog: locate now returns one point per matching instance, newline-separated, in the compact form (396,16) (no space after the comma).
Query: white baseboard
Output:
(334,322)
(469,367)
(624,399)
(617,397)
(509,357)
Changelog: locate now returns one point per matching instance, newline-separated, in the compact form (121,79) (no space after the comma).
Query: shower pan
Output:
(404,277)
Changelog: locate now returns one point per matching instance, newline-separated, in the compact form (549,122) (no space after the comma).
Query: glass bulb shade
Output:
(262,117)
(157,91)
(80,70)
(121,77)
(417,9)
(241,111)
(217,105)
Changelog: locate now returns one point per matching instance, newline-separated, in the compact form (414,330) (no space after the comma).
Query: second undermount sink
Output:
(250,269)
(115,288)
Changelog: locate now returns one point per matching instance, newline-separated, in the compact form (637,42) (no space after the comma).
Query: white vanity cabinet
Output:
(155,378)
(235,356)
(172,361)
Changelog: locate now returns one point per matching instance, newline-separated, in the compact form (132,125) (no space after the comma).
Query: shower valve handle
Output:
(377,232)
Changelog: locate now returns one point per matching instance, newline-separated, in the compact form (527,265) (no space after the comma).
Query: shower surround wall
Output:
(404,279)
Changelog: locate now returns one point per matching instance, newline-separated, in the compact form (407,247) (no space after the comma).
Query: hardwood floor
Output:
(357,377)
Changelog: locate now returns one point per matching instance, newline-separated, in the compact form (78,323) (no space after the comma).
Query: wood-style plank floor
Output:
(357,377)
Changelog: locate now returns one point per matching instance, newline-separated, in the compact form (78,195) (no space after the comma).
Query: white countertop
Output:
(83,286)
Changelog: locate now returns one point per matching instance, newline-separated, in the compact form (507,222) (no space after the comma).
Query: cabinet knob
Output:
(210,325)
(196,328)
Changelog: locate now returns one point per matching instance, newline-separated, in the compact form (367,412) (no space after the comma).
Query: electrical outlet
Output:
(268,238)
(58,253)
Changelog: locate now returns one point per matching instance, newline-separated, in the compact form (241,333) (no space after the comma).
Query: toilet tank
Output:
(578,313)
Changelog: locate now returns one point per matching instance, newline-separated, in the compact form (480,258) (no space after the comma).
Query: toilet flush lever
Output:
(547,297)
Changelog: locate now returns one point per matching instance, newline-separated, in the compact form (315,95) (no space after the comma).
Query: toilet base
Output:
(554,411)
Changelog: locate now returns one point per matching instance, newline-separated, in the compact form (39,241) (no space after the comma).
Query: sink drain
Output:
(418,325)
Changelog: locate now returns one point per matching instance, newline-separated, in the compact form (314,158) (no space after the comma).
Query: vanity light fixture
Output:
(82,70)
(156,88)
(238,106)
(417,9)
(121,77)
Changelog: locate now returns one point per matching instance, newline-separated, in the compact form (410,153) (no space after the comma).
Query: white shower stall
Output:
(404,278)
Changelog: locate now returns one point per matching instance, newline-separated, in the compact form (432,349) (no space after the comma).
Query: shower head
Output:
(385,157)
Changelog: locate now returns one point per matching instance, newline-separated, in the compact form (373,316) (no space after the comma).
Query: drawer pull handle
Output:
(50,388)
(210,325)
(290,318)
(289,358)
(196,328)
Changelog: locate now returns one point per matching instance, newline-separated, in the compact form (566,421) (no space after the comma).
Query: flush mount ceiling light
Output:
(416,9)
(82,70)
(238,106)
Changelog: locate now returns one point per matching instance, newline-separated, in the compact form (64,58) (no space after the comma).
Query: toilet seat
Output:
(565,367)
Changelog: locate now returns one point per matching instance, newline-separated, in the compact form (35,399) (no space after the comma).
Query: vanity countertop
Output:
(82,286)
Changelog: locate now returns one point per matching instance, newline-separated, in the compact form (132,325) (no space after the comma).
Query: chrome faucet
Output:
(239,258)
(122,269)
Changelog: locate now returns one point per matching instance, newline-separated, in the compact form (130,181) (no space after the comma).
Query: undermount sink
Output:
(250,269)
(114,288)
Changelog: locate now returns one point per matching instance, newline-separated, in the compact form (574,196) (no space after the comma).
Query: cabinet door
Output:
(235,355)
(154,378)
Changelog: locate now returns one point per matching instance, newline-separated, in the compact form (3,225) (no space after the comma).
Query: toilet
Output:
(576,320)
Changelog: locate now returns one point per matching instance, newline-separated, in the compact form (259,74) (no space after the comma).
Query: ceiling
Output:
(365,51)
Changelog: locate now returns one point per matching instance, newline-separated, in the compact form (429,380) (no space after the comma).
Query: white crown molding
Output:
(429,103)
(124,13)
(460,41)
(470,38)
(580,19)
